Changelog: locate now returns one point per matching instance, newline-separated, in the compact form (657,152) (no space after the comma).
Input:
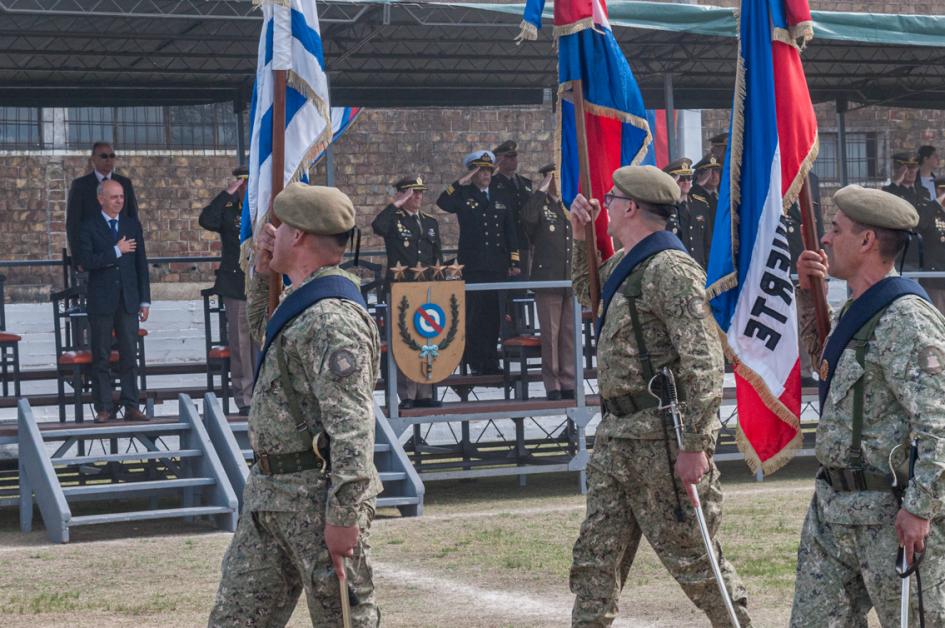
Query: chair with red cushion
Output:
(73,355)
(217,347)
(9,348)
(523,344)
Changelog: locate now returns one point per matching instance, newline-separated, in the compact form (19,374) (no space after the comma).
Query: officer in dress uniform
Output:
(511,190)
(631,478)
(927,251)
(549,230)
(488,251)
(882,403)
(223,215)
(681,171)
(703,198)
(411,237)
(310,496)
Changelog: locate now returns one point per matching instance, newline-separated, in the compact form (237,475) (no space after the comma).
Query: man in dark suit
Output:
(223,215)
(111,248)
(83,201)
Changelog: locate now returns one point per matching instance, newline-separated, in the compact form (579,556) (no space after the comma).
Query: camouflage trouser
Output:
(273,556)
(844,570)
(630,493)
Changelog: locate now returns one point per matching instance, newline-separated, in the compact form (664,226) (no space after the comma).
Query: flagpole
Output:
(812,243)
(590,231)
(278,169)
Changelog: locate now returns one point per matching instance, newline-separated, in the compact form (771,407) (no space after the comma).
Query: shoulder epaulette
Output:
(449,189)
(699,198)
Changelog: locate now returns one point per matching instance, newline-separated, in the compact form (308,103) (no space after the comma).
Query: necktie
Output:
(114,225)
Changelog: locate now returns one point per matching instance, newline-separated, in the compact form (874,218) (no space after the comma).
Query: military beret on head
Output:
(648,184)
(315,209)
(241,171)
(546,169)
(479,159)
(875,208)
(719,140)
(709,161)
(680,167)
(905,159)
(508,147)
(410,183)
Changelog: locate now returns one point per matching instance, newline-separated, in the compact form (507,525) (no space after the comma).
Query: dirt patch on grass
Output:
(486,553)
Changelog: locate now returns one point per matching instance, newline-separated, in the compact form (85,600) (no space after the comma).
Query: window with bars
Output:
(196,127)
(20,128)
(866,157)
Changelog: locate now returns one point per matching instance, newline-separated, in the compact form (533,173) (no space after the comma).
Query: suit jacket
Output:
(83,204)
(223,216)
(114,282)
(512,193)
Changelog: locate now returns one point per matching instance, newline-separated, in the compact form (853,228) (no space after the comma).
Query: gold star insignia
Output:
(418,271)
(438,270)
(398,270)
(455,270)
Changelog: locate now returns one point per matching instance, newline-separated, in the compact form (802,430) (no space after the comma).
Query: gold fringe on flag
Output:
(526,32)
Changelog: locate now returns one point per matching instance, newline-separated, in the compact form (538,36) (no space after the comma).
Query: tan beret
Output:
(875,208)
(648,184)
(315,209)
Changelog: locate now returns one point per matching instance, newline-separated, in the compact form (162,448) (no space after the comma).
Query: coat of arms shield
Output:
(428,328)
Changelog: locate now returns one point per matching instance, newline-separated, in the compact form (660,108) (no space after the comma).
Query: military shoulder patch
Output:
(932,360)
(697,307)
(342,363)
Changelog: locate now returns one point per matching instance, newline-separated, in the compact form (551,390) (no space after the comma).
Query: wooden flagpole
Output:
(590,231)
(812,243)
(278,169)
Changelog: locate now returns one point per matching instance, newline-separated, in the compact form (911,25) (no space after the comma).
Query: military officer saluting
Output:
(882,389)
(681,171)
(653,315)
(488,250)
(549,230)
(309,498)
(703,199)
(411,237)
(928,252)
(511,190)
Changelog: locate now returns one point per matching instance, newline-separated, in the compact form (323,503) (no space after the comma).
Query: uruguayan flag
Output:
(290,40)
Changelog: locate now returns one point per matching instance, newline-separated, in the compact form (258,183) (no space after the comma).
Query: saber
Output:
(343,592)
(671,403)
(902,567)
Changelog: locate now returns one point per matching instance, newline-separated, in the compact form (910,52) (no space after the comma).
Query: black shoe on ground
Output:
(243,410)
(406,404)
(554,395)
(567,394)
(427,403)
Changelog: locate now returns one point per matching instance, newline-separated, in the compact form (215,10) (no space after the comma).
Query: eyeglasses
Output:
(685,178)
(610,196)
(106,155)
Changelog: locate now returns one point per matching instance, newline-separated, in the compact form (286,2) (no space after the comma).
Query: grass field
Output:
(486,553)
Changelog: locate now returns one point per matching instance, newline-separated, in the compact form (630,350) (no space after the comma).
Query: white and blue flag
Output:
(291,41)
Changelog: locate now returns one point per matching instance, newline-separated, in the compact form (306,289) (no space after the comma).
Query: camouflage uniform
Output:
(630,487)
(332,351)
(846,559)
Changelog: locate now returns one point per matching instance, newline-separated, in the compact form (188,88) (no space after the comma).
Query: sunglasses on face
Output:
(685,179)
(106,155)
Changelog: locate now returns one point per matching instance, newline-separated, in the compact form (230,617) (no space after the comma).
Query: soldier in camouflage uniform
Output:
(299,524)
(855,524)
(631,486)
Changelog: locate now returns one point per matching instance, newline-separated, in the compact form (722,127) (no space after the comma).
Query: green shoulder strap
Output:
(295,408)
(632,289)
(861,343)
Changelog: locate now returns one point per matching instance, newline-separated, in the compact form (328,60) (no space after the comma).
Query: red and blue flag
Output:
(614,114)
(772,146)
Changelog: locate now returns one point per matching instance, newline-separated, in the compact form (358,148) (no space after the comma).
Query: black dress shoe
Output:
(406,404)
(567,394)
(427,403)
(554,395)
(243,410)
